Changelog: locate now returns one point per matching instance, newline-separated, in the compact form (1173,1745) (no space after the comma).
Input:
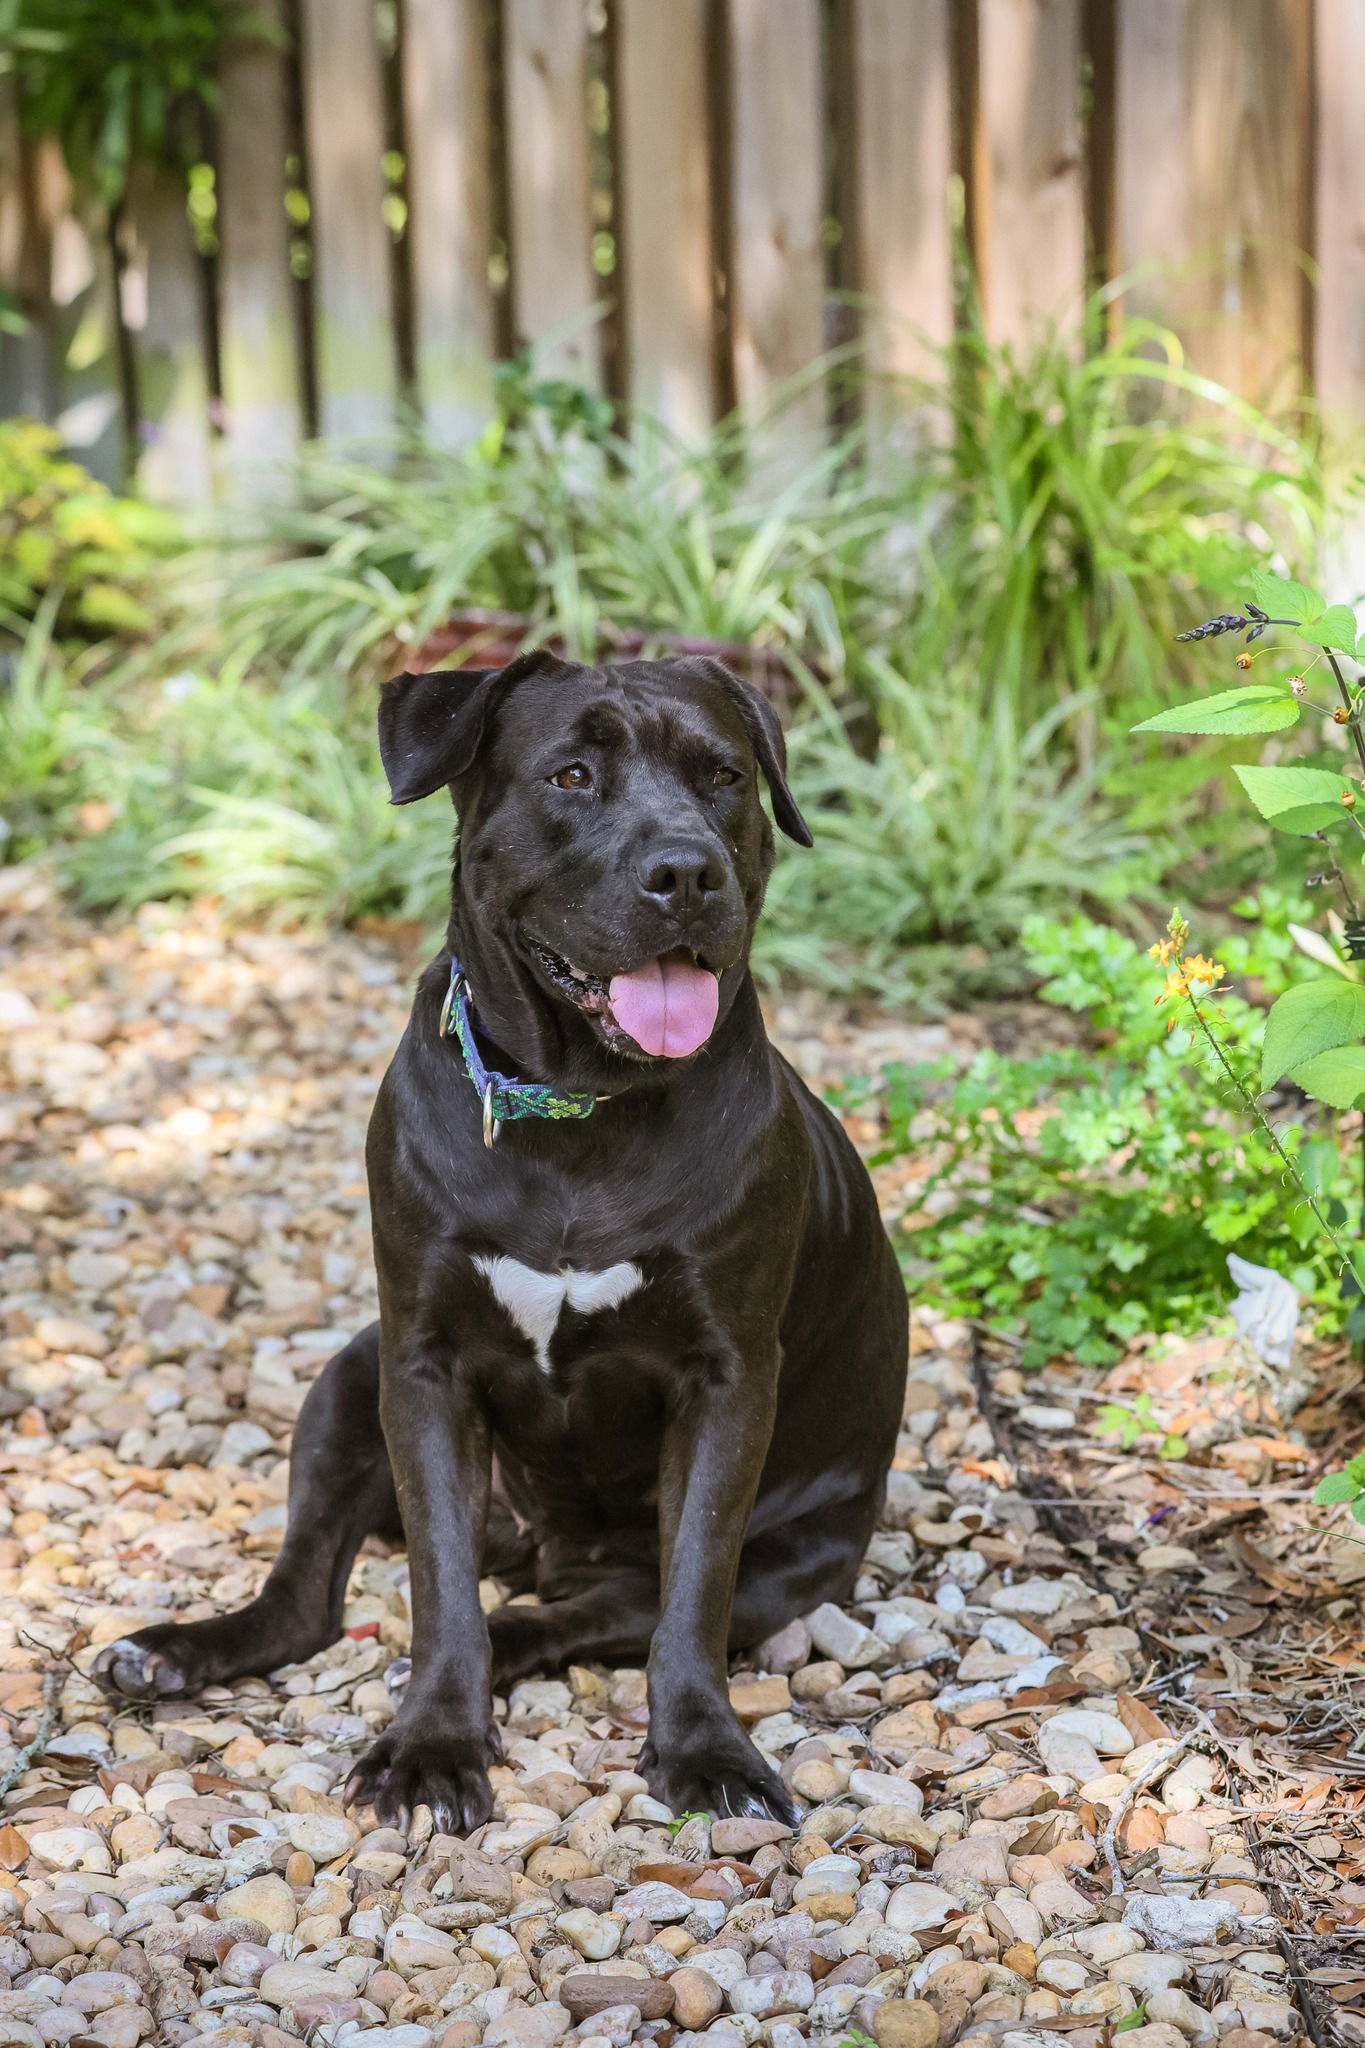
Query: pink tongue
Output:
(668,1007)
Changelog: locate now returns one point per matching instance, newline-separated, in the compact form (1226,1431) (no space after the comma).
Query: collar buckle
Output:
(455,989)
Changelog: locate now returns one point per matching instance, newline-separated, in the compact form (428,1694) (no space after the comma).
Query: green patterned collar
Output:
(504,1100)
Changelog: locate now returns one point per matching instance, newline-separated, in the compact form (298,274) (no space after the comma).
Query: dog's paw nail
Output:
(136,1672)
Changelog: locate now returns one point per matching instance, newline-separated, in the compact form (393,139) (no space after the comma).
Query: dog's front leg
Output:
(715,1440)
(437,1750)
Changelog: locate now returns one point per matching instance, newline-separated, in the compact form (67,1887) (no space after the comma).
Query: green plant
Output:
(581,534)
(192,785)
(1131,1421)
(1040,550)
(930,855)
(1075,1201)
(1056,531)
(112,81)
(1345,1486)
(957,784)
(1315,1034)
(51,736)
(61,530)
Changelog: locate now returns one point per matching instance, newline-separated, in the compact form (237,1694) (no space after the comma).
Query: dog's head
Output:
(611,833)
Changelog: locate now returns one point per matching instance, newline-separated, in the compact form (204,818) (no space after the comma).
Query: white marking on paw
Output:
(535,1301)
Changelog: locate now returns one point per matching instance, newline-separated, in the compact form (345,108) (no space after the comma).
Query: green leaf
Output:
(1294,799)
(1336,1077)
(1358,1508)
(1308,1020)
(1257,707)
(1336,628)
(1335,1488)
(1284,599)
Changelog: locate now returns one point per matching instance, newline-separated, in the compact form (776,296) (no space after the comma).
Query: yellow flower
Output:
(1197,970)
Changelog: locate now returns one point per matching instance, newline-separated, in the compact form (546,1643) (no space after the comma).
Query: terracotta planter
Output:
(486,639)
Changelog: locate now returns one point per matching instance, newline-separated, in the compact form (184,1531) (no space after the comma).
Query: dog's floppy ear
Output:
(430,727)
(770,749)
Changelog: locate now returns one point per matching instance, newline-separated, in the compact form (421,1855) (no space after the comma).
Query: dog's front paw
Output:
(716,1770)
(407,1769)
(170,1660)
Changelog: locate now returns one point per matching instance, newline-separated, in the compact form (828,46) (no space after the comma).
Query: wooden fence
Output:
(683,203)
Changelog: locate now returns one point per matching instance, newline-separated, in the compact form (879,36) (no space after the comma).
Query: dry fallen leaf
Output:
(1142,1724)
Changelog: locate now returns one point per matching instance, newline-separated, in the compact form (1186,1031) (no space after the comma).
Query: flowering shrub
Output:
(1077,1200)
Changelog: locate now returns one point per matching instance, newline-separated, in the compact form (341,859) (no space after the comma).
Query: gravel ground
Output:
(1002,1841)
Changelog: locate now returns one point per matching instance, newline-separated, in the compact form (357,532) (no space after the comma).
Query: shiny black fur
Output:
(724,1434)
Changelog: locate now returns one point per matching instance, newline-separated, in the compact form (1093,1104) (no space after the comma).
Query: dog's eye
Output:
(575,776)
(723,777)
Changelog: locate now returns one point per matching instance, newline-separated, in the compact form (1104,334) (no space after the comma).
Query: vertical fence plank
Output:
(778,276)
(903,158)
(549,174)
(1339,244)
(176,463)
(263,416)
(1031,215)
(1213,178)
(33,198)
(445,103)
(665,211)
(344,113)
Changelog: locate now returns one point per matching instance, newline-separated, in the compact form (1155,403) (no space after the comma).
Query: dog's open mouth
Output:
(667,1006)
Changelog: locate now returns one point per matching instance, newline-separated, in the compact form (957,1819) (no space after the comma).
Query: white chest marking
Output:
(535,1301)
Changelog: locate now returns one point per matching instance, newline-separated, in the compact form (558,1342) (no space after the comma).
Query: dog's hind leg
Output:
(811,1558)
(340,1491)
(612,1620)
(612,1610)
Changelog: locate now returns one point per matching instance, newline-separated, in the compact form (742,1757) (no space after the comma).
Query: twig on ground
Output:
(1109,1841)
(47,1721)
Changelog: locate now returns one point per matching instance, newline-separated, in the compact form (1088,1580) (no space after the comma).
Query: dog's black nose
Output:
(681,876)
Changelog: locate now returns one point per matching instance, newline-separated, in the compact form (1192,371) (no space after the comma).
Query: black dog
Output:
(644,1350)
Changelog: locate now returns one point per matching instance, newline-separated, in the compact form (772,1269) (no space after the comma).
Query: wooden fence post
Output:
(554,303)
(352,296)
(445,99)
(1212,177)
(665,212)
(778,277)
(263,415)
(1031,216)
(176,459)
(1339,245)
(28,215)
(902,104)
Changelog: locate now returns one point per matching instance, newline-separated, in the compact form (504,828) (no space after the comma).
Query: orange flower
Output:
(1189,973)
